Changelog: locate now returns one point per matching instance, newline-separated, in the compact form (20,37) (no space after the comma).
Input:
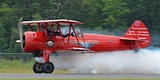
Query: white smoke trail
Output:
(144,61)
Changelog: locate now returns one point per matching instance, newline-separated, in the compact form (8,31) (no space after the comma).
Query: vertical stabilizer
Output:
(140,32)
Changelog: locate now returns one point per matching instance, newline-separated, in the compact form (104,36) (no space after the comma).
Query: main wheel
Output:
(37,68)
(47,67)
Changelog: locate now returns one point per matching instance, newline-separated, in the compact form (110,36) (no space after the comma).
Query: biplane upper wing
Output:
(60,21)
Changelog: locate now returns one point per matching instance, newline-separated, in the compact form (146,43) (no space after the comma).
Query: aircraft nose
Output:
(18,41)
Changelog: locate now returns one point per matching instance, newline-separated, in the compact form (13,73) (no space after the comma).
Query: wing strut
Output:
(61,34)
(75,34)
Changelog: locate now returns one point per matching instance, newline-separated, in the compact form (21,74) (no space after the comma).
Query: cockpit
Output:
(60,27)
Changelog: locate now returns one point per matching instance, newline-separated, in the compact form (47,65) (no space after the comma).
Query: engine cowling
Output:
(32,41)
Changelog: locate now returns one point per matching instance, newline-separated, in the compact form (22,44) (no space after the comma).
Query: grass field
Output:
(20,66)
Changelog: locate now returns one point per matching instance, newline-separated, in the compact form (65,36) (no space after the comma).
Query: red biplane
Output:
(53,36)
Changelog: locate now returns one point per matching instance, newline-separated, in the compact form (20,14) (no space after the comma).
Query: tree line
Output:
(100,15)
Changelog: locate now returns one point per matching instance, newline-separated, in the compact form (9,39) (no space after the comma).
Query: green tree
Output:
(2,38)
(92,12)
(71,9)
(101,15)
(11,11)
(146,10)
(7,20)
(115,12)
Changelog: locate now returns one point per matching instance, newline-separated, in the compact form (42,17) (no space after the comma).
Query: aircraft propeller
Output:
(20,32)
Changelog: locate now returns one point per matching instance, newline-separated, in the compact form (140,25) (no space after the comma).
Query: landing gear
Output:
(46,67)
(37,68)
(42,64)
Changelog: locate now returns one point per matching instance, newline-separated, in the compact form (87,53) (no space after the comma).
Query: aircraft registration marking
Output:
(139,28)
(142,32)
(137,34)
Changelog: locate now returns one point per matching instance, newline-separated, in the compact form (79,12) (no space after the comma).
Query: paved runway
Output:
(70,76)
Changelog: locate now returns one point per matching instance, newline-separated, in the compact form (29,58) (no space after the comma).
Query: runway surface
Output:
(70,76)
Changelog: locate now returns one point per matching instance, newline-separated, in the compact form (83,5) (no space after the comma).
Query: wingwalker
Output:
(62,35)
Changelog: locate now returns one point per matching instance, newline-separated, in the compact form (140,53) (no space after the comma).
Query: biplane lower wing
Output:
(75,50)
(79,49)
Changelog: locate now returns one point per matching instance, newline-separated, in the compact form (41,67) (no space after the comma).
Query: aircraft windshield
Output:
(65,30)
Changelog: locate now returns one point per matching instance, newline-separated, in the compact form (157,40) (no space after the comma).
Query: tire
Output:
(37,68)
(47,67)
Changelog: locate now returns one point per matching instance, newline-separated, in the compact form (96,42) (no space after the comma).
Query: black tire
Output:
(37,68)
(47,67)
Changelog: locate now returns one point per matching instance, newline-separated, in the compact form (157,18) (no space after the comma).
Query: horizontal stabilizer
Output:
(130,39)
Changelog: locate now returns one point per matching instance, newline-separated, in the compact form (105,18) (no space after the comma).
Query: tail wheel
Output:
(37,68)
(47,67)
